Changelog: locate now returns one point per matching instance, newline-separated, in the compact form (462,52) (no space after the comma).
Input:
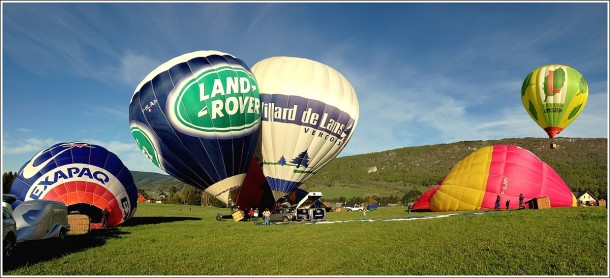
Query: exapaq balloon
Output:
(553,96)
(197,117)
(86,177)
(309,113)
(499,170)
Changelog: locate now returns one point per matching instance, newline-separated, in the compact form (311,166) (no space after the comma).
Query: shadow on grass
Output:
(32,252)
(135,221)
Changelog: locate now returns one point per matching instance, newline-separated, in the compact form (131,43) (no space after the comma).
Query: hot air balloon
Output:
(309,112)
(554,95)
(87,178)
(197,117)
(254,191)
(504,170)
(422,203)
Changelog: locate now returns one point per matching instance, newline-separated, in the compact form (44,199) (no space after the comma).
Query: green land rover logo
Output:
(216,102)
(146,144)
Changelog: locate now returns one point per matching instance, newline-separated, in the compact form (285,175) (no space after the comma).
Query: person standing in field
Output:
(251,214)
(497,206)
(256,216)
(266,215)
(507,203)
(105,219)
(521,206)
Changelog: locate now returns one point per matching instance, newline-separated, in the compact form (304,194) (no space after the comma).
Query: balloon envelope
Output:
(423,202)
(197,117)
(504,170)
(554,95)
(254,191)
(309,112)
(86,177)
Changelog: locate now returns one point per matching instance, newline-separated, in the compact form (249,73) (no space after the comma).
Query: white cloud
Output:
(119,112)
(129,154)
(133,68)
(29,145)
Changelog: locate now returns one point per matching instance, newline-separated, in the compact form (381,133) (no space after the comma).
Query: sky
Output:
(424,73)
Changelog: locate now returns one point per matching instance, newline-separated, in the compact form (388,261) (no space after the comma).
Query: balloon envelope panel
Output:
(81,175)
(309,112)
(553,96)
(254,191)
(504,170)
(197,117)
(423,202)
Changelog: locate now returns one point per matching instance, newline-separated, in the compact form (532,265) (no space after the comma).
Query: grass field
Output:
(183,240)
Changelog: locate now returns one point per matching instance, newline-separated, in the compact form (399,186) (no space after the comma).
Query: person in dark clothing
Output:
(497,206)
(105,219)
(507,204)
(521,206)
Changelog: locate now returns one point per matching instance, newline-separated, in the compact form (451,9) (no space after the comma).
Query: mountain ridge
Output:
(581,162)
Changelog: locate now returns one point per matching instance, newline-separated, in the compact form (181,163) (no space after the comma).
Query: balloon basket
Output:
(539,203)
(238,215)
(553,146)
(79,224)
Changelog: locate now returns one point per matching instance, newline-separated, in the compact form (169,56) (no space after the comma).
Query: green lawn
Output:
(186,240)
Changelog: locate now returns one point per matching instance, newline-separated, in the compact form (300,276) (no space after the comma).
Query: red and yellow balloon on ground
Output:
(554,95)
(504,170)
(423,202)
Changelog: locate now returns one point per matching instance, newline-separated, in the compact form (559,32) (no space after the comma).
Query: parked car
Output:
(41,219)
(355,208)
(9,231)
(282,214)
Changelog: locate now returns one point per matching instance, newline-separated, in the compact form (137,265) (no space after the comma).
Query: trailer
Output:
(372,207)
(306,210)
(41,219)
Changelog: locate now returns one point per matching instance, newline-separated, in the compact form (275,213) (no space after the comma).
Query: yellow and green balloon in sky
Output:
(554,95)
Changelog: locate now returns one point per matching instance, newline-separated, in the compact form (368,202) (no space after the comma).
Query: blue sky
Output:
(424,73)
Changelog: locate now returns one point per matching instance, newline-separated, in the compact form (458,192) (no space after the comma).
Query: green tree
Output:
(371,199)
(172,190)
(411,195)
(7,181)
(190,196)
(357,200)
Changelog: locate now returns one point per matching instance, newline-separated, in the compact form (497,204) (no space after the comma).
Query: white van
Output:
(41,219)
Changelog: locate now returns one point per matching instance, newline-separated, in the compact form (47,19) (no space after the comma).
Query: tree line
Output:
(410,196)
(188,195)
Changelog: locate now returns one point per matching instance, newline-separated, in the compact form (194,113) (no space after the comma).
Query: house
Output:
(585,198)
(141,198)
(160,199)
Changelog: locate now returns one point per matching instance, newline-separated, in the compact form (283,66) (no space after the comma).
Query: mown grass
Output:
(162,240)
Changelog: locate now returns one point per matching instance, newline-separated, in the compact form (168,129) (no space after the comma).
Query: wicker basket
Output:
(238,215)
(544,202)
(539,203)
(79,224)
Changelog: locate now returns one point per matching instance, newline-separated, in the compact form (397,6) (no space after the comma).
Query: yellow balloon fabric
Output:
(464,186)
(554,95)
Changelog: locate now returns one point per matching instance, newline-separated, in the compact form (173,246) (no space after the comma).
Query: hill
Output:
(581,162)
